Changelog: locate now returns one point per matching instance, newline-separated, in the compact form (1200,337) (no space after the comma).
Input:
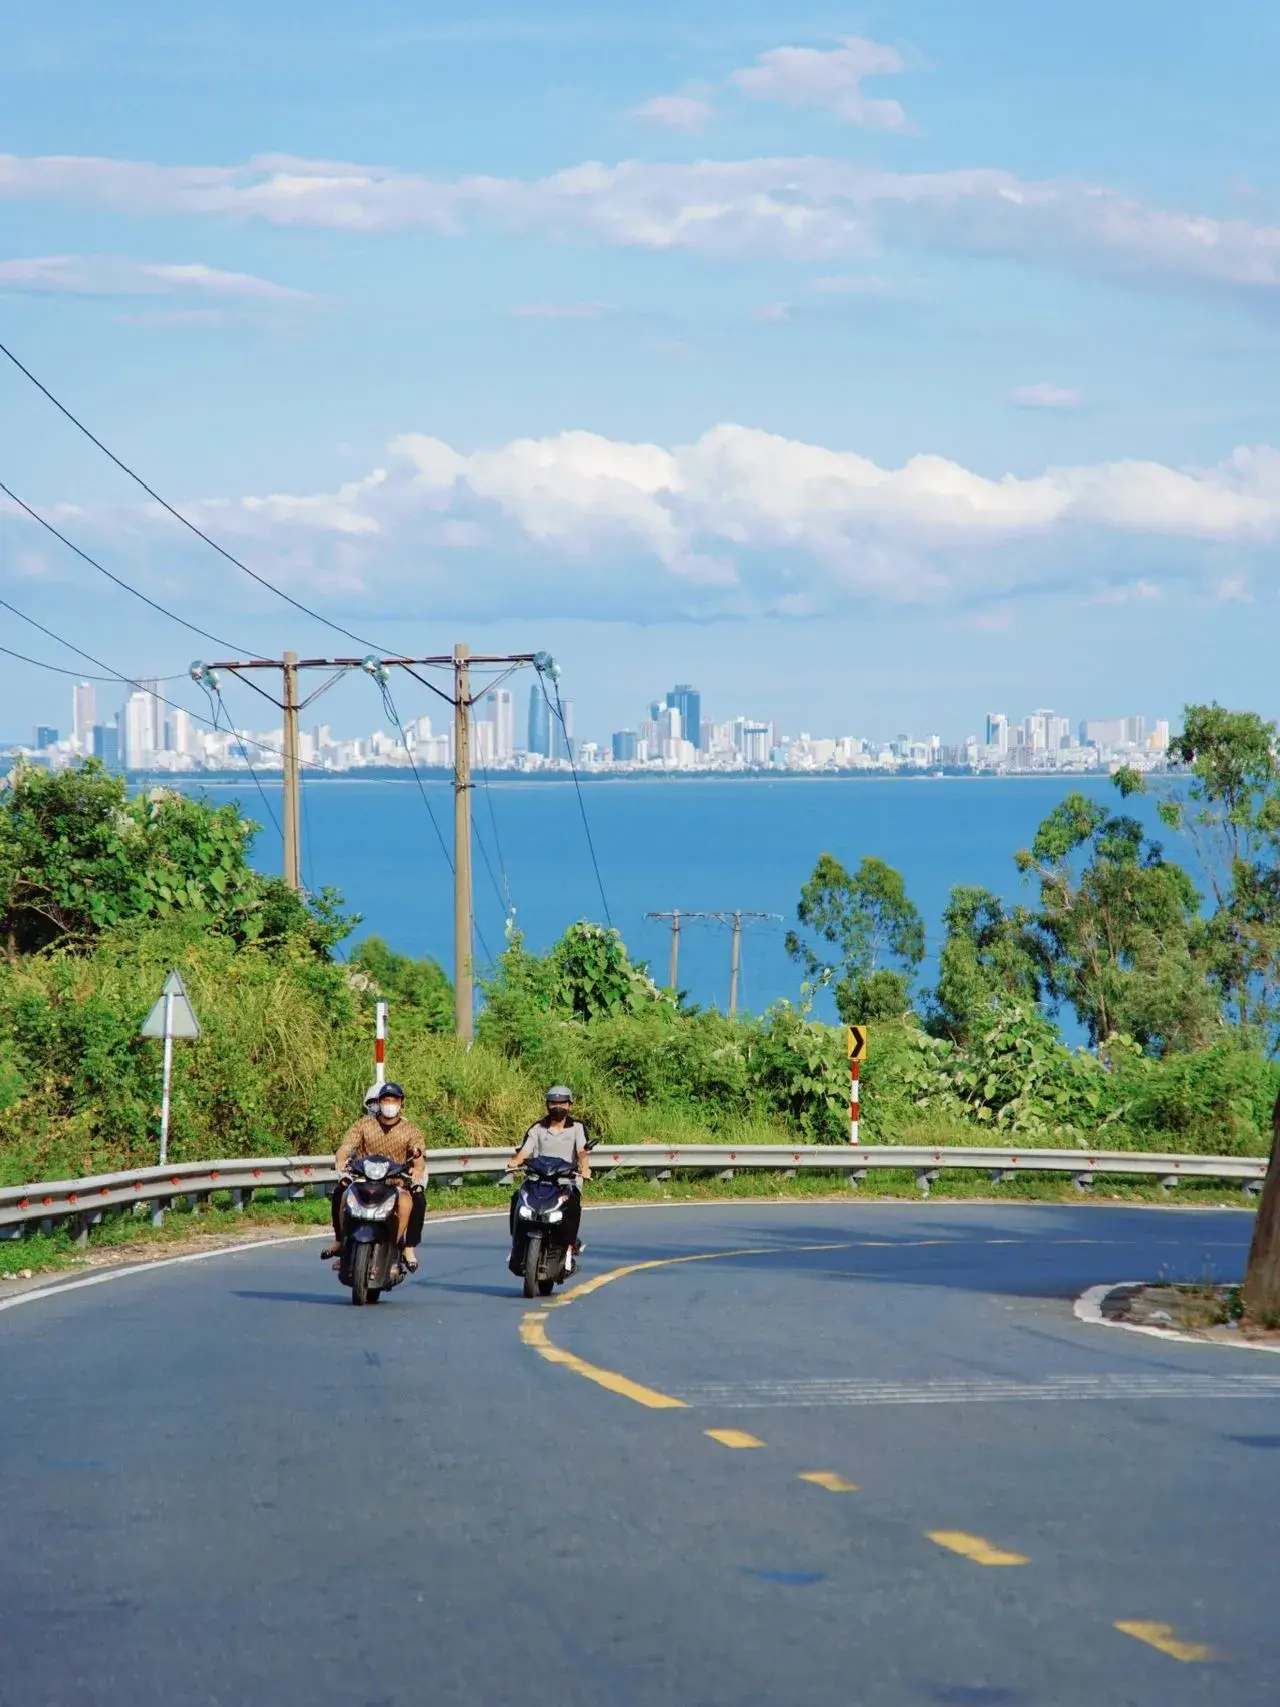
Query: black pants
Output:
(417,1213)
(572,1215)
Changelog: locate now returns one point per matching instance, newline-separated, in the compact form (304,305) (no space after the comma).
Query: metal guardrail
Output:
(83,1203)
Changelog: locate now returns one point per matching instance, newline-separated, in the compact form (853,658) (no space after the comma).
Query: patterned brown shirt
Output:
(402,1142)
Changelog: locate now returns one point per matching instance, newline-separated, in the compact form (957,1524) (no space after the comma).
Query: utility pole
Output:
(460,662)
(734,919)
(463,995)
(292,775)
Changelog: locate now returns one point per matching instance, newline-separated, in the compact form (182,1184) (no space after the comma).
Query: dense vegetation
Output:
(1172,975)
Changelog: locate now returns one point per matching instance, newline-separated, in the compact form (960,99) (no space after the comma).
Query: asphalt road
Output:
(221,1486)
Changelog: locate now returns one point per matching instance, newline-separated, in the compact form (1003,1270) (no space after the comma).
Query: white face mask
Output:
(389,1110)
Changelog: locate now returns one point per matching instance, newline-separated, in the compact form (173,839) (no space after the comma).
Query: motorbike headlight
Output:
(526,1214)
(376,1170)
(555,1215)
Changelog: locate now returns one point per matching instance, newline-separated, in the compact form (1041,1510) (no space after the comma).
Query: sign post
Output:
(379,1050)
(171,1016)
(857,1041)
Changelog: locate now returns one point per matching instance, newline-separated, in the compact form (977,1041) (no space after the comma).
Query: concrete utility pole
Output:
(463,946)
(1262,1274)
(292,775)
(460,661)
(734,919)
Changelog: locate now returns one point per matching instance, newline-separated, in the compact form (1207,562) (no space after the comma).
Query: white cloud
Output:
(849,284)
(1134,592)
(744,522)
(113,275)
(676,112)
(806,208)
(1045,396)
(830,78)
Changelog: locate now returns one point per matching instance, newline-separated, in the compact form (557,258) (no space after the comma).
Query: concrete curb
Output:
(1088,1308)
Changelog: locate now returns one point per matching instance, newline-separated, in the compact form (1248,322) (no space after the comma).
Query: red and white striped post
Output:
(380,1045)
(857,1040)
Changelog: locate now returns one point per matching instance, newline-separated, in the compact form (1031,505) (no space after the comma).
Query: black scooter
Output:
(539,1245)
(370,1260)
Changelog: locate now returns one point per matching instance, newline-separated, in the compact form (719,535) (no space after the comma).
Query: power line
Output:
(177,514)
(115,676)
(216,702)
(94,564)
(558,711)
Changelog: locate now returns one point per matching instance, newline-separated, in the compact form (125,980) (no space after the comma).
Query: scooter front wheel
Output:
(532,1263)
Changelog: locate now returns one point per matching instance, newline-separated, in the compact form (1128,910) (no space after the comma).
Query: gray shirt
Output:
(569,1144)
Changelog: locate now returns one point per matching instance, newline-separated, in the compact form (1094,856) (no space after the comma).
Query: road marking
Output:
(976,1390)
(733,1437)
(828,1479)
(533,1331)
(585,1288)
(1161,1636)
(975,1548)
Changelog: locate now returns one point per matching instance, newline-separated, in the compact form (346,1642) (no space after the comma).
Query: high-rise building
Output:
(688,702)
(1135,731)
(137,725)
(179,734)
(625,742)
(563,746)
(998,731)
(106,744)
(484,746)
(499,708)
(84,714)
(539,722)
(757,743)
(45,736)
(671,724)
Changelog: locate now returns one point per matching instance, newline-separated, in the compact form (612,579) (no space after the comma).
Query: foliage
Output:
(420,990)
(990,954)
(79,857)
(857,922)
(1117,929)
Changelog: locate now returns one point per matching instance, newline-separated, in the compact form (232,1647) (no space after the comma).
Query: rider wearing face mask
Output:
(383,1131)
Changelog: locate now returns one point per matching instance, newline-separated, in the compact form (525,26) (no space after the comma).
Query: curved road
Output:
(870,1460)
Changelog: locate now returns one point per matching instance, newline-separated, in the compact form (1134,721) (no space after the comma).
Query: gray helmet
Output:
(559,1093)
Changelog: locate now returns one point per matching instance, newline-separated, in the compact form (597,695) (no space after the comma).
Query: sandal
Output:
(408,1264)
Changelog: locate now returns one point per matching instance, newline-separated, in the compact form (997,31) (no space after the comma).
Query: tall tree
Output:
(855,924)
(1230,813)
(1118,926)
(990,953)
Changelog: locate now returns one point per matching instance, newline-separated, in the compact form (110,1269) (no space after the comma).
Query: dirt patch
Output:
(1206,1311)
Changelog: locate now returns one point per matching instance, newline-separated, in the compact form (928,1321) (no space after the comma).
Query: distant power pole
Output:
(734,919)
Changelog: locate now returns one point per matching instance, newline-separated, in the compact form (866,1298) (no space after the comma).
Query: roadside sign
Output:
(172,1015)
(857,1035)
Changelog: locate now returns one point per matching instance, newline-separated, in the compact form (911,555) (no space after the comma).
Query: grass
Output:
(133,1234)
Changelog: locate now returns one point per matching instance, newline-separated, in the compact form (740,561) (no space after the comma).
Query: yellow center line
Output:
(736,1438)
(975,1548)
(1161,1636)
(533,1331)
(828,1479)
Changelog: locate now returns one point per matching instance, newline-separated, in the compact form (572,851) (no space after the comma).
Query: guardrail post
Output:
(1083,1182)
(1252,1187)
(157,1210)
(724,1174)
(854,1178)
(1002,1176)
(925,1178)
(17,1230)
(1169,1182)
(78,1227)
(291,1193)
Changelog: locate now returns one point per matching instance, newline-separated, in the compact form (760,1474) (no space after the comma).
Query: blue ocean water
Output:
(696,844)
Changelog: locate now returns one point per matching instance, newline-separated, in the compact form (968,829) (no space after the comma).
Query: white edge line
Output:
(1088,1308)
(126,1269)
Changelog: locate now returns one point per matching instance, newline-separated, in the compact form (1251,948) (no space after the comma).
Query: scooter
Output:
(370,1260)
(539,1246)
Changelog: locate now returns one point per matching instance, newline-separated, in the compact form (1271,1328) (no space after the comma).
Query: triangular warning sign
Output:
(182,1018)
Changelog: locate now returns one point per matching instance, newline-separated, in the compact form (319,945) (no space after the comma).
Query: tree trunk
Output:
(1262,1276)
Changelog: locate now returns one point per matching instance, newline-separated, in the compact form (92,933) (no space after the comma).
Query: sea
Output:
(702,845)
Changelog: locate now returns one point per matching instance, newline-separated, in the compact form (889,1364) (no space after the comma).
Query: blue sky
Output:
(870,366)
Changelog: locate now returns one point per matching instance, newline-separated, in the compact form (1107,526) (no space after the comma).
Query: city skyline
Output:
(150,734)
